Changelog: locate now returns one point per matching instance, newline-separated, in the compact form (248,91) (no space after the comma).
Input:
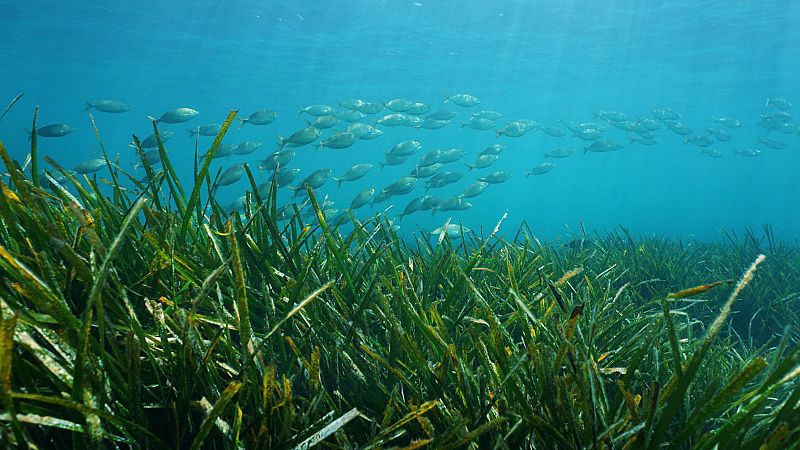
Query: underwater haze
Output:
(615,65)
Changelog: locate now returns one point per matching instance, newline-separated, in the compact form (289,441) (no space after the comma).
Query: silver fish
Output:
(224,150)
(452,231)
(497,177)
(431,157)
(354,173)
(513,129)
(405,148)
(493,149)
(611,116)
(426,171)
(412,121)
(602,145)
(284,176)
(442,179)
(353,103)
(429,203)
(364,131)
(339,141)
(772,143)
(650,124)
(488,114)
(553,131)
(642,140)
(90,166)
(317,110)
(152,142)
(351,116)
(177,115)
(393,160)
(442,114)
(393,120)
(418,108)
(477,123)
(400,187)
(399,105)
(370,108)
(314,181)
(588,134)
(108,106)
(260,117)
(451,155)
(362,198)
(778,117)
(300,138)
(246,148)
(324,122)
(678,127)
(749,152)
(727,121)
(560,152)
(475,189)
(210,130)
(433,124)
(276,159)
(54,130)
(541,169)
(719,134)
(238,204)
(465,100)
(412,207)
(483,161)
(231,175)
(700,141)
(665,114)
(454,204)
(779,103)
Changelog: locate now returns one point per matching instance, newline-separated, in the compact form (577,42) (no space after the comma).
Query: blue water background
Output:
(540,60)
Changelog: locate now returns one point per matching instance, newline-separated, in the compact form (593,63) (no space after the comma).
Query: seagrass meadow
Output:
(144,315)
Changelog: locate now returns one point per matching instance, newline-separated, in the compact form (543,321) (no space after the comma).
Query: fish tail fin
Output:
(769,100)
(338,181)
(596,114)
(497,134)
(29,134)
(527,174)
(192,133)
(462,124)
(685,141)
(446,98)
(585,150)
(242,122)
(715,119)
(470,167)
(88,106)
(300,110)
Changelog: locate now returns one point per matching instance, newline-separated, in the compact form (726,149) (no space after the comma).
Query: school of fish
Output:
(429,169)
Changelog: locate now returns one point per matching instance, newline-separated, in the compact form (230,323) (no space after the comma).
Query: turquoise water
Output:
(542,61)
